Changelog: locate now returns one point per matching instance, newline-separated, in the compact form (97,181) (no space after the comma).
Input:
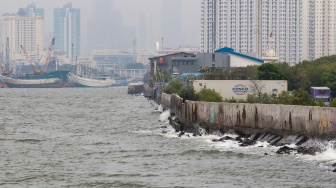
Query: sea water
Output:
(77,137)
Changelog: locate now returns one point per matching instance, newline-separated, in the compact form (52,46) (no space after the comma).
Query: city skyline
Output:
(302,30)
(130,13)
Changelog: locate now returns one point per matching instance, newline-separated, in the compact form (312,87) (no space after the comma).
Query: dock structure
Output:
(135,88)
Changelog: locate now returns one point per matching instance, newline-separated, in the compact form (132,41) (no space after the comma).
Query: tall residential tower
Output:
(67,30)
(172,23)
(301,30)
(25,28)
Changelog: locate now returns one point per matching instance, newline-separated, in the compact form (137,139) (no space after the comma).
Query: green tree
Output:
(146,78)
(173,87)
(332,103)
(284,97)
(159,77)
(191,93)
(302,97)
(289,71)
(329,79)
(209,95)
(268,71)
(301,79)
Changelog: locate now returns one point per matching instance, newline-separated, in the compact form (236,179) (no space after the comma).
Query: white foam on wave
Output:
(328,154)
(164,116)
(143,132)
(160,108)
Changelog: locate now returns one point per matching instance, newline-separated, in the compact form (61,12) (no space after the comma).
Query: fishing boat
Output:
(101,81)
(54,79)
(2,84)
(33,83)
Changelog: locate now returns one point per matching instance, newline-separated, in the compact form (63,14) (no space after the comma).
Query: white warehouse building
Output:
(240,89)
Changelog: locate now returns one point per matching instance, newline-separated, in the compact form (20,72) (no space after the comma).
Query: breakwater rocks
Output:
(290,144)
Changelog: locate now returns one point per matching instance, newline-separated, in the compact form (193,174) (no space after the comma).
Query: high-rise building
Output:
(100,26)
(319,25)
(143,31)
(23,29)
(302,30)
(4,32)
(106,29)
(32,11)
(67,30)
(28,32)
(171,23)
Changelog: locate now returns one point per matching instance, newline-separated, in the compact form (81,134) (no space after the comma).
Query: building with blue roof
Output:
(227,57)
(185,63)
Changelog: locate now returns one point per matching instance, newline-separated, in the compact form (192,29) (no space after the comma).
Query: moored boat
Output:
(33,83)
(62,74)
(2,84)
(78,81)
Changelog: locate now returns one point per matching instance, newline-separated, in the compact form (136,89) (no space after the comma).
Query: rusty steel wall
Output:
(165,100)
(277,119)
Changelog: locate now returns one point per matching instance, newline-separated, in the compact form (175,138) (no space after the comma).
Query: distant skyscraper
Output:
(171,23)
(319,25)
(4,31)
(32,11)
(67,30)
(301,29)
(25,28)
(106,29)
(143,31)
(100,26)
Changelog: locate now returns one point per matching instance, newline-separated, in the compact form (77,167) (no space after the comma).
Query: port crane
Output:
(36,70)
(5,70)
(50,51)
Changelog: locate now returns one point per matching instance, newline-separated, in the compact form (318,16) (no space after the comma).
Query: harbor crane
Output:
(36,70)
(50,51)
(5,70)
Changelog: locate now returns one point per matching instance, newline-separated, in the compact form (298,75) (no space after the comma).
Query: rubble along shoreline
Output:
(290,144)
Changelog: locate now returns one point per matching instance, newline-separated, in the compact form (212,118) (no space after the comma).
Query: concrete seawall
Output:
(283,120)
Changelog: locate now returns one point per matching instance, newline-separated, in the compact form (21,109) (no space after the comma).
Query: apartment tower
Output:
(67,31)
(301,30)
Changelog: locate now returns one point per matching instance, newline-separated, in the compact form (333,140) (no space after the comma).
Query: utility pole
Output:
(7,52)
(162,46)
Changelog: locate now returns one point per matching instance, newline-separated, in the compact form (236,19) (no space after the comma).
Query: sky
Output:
(129,9)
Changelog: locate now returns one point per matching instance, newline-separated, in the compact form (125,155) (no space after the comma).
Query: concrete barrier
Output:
(165,100)
(135,88)
(280,120)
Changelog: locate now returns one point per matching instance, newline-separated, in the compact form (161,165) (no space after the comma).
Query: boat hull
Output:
(78,81)
(33,83)
(62,74)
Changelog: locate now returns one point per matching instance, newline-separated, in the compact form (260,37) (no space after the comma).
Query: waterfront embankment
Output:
(282,120)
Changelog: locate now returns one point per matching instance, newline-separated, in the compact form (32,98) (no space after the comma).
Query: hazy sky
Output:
(129,9)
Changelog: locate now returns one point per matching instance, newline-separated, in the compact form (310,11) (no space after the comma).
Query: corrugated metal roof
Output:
(231,51)
(321,88)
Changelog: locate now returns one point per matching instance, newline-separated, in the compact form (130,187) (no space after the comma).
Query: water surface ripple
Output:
(76,137)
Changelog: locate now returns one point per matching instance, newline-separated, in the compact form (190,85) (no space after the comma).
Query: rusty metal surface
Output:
(278,119)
